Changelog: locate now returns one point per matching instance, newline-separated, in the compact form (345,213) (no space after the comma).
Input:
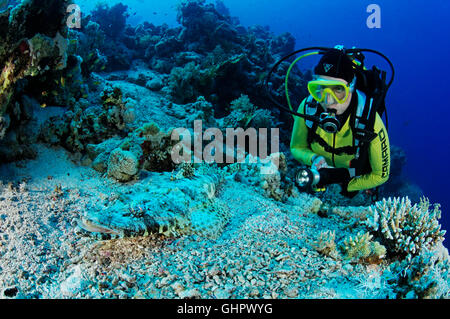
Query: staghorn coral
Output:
(406,229)
(361,248)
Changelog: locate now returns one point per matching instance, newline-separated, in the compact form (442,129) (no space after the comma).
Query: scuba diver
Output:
(338,132)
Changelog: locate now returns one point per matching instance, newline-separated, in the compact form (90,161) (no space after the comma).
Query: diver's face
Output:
(330,103)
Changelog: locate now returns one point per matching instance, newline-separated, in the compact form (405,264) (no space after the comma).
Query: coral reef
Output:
(108,25)
(246,246)
(88,124)
(86,46)
(406,229)
(361,248)
(28,48)
(145,148)
(112,20)
(325,244)
(245,114)
(425,276)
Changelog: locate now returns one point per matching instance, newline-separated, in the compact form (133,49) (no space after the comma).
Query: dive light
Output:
(307,178)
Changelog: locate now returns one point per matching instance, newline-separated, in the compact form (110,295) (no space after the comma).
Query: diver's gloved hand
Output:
(319,162)
(333,176)
(346,193)
(336,176)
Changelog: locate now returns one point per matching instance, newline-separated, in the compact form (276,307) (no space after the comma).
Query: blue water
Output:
(413,34)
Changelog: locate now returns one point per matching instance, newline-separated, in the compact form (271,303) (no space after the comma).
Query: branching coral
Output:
(405,228)
(245,114)
(325,244)
(424,276)
(362,248)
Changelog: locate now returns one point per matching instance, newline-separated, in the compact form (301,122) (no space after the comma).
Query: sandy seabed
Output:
(265,251)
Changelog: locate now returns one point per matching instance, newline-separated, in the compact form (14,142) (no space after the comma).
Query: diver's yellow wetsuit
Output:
(379,151)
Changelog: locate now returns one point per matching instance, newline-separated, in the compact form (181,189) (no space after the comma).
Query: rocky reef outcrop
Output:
(28,48)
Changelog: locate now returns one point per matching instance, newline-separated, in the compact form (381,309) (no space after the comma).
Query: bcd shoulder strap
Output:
(363,122)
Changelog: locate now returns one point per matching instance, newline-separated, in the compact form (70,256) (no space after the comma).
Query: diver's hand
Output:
(319,162)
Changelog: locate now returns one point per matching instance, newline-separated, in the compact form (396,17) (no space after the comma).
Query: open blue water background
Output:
(413,34)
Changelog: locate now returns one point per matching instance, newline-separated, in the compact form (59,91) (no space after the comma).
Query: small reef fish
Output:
(44,105)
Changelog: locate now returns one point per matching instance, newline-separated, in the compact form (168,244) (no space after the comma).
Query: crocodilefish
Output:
(180,207)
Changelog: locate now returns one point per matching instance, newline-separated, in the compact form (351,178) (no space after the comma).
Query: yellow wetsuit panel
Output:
(379,150)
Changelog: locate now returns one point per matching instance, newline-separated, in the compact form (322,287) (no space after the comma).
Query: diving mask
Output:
(320,88)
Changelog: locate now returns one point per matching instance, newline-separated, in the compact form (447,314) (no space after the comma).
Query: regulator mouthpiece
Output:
(329,122)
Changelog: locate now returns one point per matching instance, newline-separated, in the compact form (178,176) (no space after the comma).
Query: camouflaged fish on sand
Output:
(186,206)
